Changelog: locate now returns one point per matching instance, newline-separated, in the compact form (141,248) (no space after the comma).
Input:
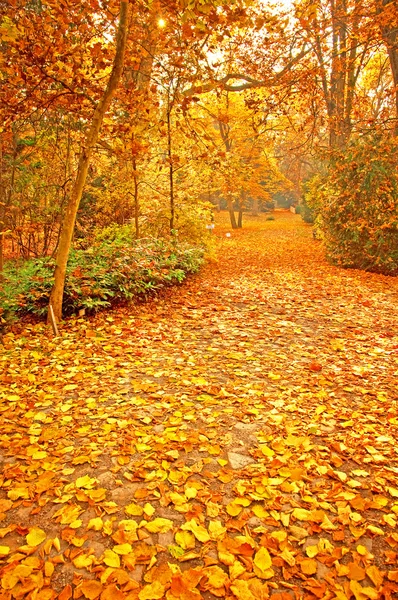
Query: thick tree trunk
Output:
(68,223)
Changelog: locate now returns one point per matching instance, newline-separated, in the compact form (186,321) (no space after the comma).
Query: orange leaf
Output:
(375,575)
(66,593)
(308,566)
(91,589)
(112,593)
(356,572)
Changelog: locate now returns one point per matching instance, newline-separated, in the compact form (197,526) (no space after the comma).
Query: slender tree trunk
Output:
(2,212)
(136,199)
(231,211)
(68,223)
(240,218)
(171,171)
(255,207)
(388,16)
(242,203)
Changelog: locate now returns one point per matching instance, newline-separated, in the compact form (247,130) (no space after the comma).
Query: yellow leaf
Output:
(48,568)
(76,524)
(91,589)
(199,532)
(302,514)
(111,559)
(279,535)
(128,525)
(260,511)
(267,451)
(191,492)
(123,549)
(108,527)
(85,482)
(149,510)
(327,524)
(357,590)
(236,570)
(185,539)
(96,524)
(311,551)
(260,590)
(217,578)
(390,519)
(241,590)
(262,559)
(216,530)
(288,557)
(233,509)
(133,509)
(18,492)
(39,455)
(154,591)
(78,542)
(83,561)
(159,525)
(35,536)
(4,550)
(375,530)
(299,532)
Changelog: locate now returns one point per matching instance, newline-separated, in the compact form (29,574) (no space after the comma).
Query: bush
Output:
(312,201)
(112,270)
(360,206)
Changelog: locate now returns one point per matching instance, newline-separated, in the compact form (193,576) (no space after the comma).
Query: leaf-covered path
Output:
(235,437)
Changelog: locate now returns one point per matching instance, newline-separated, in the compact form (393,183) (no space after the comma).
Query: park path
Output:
(233,438)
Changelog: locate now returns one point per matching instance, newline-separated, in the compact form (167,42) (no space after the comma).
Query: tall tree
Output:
(387,13)
(89,142)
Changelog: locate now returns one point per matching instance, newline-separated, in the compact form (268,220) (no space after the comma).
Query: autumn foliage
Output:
(234,438)
(358,203)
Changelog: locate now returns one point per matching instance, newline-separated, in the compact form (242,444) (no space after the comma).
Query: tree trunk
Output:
(231,211)
(388,16)
(242,204)
(255,208)
(2,212)
(68,222)
(136,199)
(240,218)
(171,171)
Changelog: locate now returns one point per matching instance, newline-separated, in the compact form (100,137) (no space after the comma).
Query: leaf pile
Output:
(235,438)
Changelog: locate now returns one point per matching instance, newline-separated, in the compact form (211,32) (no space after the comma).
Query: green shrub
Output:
(360,206)
(112,270)
(315,193)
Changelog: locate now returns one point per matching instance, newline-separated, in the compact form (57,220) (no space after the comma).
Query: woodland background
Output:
(124,124)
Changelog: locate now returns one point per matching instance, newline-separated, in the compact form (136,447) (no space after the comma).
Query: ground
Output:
(234,437)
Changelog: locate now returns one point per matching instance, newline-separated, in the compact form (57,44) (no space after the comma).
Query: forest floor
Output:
(234,437)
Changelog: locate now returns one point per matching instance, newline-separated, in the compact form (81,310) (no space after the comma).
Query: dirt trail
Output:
(235,437)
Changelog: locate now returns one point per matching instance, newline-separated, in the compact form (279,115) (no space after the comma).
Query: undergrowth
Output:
(112,270)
